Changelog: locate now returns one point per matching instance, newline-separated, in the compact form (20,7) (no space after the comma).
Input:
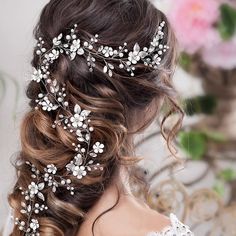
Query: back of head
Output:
(121,105)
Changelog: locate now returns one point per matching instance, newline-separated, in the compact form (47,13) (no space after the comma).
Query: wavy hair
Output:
(121,106)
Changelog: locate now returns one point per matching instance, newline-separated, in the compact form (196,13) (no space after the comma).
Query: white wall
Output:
(17,19)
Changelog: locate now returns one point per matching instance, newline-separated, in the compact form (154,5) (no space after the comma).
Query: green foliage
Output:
(224,176)
(194,143)
(219,187)
(228,174)
(227,23)
(215,136)
(205,104)
(185,60)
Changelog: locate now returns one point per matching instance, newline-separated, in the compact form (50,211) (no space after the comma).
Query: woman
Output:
(102,71)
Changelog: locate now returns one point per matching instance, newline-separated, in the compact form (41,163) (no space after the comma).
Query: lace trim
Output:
(176,228)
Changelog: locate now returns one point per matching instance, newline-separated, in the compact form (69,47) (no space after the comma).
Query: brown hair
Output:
(121,106)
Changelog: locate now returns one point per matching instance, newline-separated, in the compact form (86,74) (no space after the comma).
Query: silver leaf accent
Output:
(41,186)
(105,69)
(41,196)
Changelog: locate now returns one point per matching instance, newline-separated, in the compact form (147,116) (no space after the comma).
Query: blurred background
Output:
(202,191)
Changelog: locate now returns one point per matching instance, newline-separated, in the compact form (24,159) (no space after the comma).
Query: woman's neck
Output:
(117,201)
(119,191)
(119,187)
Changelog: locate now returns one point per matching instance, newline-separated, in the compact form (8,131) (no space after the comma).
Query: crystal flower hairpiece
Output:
(82,163)
(72,46)
(76,122)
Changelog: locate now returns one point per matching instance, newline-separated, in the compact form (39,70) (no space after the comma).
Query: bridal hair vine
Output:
(72,46)
(76,122)
(82,163)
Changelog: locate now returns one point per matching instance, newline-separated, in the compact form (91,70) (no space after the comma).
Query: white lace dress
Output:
(176,228)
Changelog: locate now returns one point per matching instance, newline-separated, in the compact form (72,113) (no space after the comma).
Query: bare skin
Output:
(130,217)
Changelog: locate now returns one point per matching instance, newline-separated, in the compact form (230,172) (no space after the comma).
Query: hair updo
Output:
(121,106)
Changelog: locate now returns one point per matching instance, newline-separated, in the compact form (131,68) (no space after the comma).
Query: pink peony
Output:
(222,55)
(193,22)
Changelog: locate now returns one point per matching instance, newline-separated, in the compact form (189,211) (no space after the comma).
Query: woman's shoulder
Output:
(130,218)
(136,220)
(131,221)
(156,224)
(148,222)
(175,228)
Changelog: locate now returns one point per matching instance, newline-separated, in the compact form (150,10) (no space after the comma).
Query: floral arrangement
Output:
(207,28)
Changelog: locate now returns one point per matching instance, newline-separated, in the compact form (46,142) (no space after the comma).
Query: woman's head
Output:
(116,22)
(120,105)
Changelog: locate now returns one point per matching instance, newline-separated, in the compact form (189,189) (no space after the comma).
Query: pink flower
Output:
(222,55)
(193,22)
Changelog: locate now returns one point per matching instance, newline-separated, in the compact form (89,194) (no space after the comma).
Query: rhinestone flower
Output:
(34,224)
(98,147)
